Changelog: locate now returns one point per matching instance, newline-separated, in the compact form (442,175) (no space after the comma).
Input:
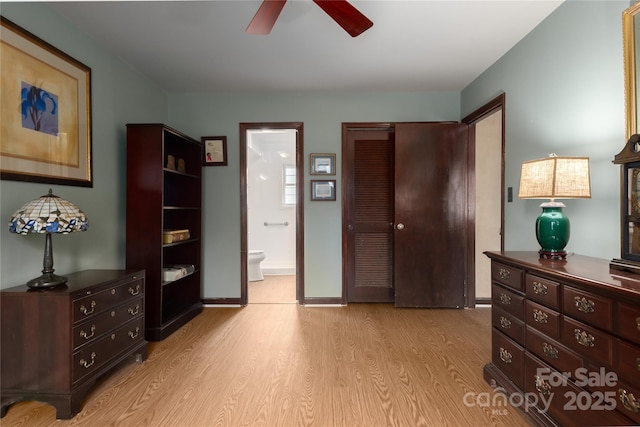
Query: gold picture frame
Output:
(46,111)
(322,164)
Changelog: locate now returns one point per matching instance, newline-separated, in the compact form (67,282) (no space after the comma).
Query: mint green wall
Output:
(119,95)
(322,115)
(564,87)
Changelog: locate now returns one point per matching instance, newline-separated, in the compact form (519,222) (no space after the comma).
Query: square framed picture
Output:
(323,190)
(323,164)
(46,111)
(214,150)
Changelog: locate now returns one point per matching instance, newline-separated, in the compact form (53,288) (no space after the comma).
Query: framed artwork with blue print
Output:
(46,111)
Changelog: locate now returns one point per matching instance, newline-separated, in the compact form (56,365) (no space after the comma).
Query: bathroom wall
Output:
(267,154)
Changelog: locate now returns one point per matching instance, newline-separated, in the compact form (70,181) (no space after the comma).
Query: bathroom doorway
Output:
(271,169)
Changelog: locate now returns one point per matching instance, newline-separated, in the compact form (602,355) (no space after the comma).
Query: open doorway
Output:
(271,169)
(487,126)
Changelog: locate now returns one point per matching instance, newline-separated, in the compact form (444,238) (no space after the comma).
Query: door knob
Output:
(400,226)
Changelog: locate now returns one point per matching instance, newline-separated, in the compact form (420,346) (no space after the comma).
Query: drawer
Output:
(543,319)
(508,276)
(106,299)
(96,326)
(568,403)
(627,362)
(543,290)
(616,385)
(508,324)
(508,300)
(508,357)
(552,352)
(589,308)
(92,357)
(629,326)
(628,400)
(588,341)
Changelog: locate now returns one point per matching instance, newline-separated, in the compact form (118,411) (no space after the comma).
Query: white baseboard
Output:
(268,271)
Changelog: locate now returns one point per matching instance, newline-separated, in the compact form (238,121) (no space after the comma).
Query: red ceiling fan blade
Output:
(347,16)
(266,16)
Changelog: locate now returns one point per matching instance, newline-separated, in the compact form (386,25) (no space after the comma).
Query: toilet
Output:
(254,269)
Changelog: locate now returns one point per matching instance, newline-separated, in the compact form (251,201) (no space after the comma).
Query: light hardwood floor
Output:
(269,365)
(273,289)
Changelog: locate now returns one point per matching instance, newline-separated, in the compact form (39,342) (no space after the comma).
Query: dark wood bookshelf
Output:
(162,198)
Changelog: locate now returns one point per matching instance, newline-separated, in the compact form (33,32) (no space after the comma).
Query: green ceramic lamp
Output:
(554,178)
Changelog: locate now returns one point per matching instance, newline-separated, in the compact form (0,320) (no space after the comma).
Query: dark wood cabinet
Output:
(566,332)
(164,193)
(56,342)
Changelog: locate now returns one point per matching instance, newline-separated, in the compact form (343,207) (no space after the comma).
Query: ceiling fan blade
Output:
(266,16)
(347,16)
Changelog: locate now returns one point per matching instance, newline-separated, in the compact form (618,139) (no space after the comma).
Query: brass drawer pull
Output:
(549,350)
(135,291)
(584,338)
(133,311)
(86,311)
(504,274)
(86,335)
(133,334)
(505,356)
(113,291)
(542,386)
(638,363)
(505,299)
(584,305)
(86,363)
(540,288)
(505,323)
(628,400)
(638,322)
(540,316)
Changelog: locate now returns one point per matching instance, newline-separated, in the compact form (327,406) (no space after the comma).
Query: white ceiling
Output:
(201,46)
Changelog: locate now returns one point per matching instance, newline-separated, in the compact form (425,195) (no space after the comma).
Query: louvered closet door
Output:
(368,158)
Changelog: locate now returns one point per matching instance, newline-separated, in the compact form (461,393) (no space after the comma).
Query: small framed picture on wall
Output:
(323,164)
(214,150)
(323,190)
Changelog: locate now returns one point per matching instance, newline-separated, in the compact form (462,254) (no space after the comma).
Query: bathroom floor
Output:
(273,290)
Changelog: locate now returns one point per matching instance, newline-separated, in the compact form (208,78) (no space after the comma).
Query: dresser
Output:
(56,342)
(565,339)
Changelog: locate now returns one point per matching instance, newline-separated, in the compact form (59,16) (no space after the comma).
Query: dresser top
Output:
(578,268)
(81,280)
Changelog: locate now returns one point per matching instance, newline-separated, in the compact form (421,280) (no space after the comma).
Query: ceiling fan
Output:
(341,11)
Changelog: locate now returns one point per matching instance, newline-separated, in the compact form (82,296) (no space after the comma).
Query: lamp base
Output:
(47,280)
(552,254)
(552,231)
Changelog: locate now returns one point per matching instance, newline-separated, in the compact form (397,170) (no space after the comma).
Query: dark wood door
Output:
(430,214)
(368,223)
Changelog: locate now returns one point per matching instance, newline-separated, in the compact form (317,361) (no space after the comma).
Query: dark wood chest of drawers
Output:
(566,339)
(56,342)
